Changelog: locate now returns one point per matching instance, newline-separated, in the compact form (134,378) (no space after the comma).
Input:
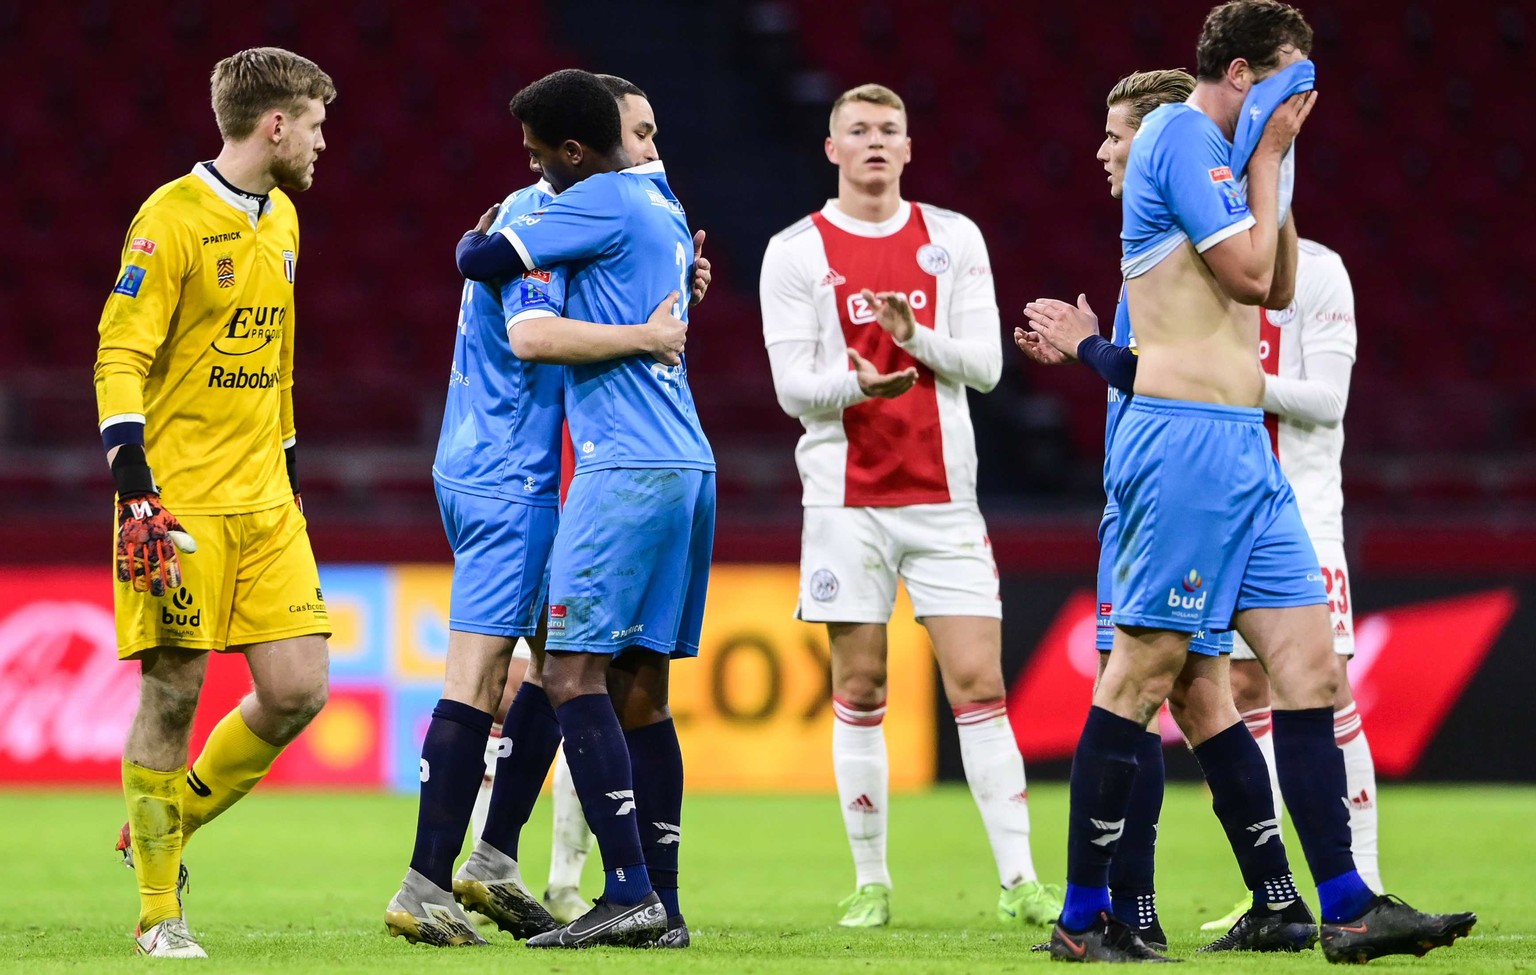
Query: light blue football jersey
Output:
(622,239)
(502,422)
(1178,186)
(1120,334)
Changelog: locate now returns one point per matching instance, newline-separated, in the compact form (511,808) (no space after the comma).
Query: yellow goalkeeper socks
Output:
(232,762)
(154,821)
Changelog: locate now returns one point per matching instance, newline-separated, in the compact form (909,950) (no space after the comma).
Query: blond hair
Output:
(872,94)
(251,83)
(1145,90)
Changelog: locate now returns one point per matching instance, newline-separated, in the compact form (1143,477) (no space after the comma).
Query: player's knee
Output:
(984,684)
(861,688)
(173,707)
(297,703)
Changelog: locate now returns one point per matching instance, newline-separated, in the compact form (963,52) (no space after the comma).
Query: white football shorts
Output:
(850,559)
(1341,609)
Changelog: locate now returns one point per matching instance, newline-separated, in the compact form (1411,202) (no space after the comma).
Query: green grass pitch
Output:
(297,882)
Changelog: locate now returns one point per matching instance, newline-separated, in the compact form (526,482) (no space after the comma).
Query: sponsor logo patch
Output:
(220,238)
(129,283)
(537,274)
(142,244)
(1232,198)
(557,616)
(535,296)
(1221,174)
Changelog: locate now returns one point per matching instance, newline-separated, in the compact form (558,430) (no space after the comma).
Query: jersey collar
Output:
(654,166)
(250,204)
(864,228)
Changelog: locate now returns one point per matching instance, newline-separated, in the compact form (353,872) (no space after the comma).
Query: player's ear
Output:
(831,149)
(1240,74)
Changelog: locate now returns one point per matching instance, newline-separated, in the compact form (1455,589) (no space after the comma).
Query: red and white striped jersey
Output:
(916,448)
(1321,320)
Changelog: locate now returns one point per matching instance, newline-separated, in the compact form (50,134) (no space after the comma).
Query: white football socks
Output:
(862,770)
(1360,776)
(995,771)
(482,810)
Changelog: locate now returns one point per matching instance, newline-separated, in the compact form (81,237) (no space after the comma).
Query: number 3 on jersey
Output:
(683,292)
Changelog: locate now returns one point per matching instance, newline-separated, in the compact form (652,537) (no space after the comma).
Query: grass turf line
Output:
(297,882)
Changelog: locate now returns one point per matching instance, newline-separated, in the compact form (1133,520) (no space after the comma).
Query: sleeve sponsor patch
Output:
(537,275)
(1221,174)
(533,295)
(1233,198)
(142,244)
(128,284)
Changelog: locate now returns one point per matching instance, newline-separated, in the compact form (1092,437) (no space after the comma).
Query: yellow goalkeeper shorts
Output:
(252,579)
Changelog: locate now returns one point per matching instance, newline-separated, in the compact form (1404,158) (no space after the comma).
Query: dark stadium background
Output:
(1415,167)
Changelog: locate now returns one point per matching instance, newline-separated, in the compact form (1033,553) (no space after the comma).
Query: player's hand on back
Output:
(701,269)
(1061,325)
(1034,345)
(886,385)
(1281,129)
(892,312)
(664,333)
(486,219)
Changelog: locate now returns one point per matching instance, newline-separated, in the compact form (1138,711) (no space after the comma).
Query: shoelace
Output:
(176,935)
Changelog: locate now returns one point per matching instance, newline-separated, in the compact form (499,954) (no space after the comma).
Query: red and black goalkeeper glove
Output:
(148,536)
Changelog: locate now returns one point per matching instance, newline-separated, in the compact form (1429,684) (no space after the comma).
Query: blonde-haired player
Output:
(878,313)
(194,392)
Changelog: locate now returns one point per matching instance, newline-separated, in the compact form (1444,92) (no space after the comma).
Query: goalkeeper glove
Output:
(148,536)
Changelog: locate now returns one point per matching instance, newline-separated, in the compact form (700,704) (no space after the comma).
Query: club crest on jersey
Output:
(128,284)
(142,244)
(823,585)
(225,268)
(933,259)
(1284,316)
(288,262)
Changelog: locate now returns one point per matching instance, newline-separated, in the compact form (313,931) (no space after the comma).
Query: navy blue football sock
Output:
(452,765)
(599,761)
(657,761)
(534,733)
(1131,872)
(1311,770)
(1103,773)
(1234,769)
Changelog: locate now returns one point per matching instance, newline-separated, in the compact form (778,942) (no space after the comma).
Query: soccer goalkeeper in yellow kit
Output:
(194,392)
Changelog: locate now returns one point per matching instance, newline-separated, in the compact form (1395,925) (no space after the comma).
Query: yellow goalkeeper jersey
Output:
(197,343)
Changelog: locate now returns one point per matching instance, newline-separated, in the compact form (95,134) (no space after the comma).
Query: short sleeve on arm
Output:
(584,222)
(536,294)
(1191,167)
